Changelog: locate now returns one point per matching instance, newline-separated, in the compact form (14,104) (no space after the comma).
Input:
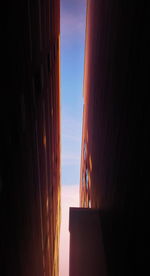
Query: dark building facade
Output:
(98,242)
(30,139)
(87,255)
(115,120)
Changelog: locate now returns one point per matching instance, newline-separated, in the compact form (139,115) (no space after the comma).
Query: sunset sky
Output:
(72,63)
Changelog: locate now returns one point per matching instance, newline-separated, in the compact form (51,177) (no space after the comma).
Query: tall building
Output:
(115,110)
(87,256)
(115,122)
(30,139)
(98,242)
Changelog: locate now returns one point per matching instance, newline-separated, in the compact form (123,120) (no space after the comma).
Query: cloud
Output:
(72,17)
(72,129)
(71,122)
(71,137)
(69,198)
(72,24)
(71,142)
(69,159)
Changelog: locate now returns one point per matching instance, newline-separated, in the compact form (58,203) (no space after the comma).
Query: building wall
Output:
(115,113)
(30,144)
(114,167)
(99,243)
(87,256)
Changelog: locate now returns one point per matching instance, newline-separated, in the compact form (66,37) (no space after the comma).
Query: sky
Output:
(72,24)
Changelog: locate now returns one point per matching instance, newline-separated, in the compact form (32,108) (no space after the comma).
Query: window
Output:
(86,178)
(83,180)
(85,151)
(89,203)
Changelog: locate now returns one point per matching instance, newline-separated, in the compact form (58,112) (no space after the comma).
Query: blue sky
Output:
(72,63)
(72,66)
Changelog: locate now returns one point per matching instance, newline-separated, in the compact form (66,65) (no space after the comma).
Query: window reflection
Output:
(85,151)
(86,178)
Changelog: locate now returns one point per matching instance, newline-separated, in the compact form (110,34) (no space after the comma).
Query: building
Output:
(30,140)
(116,118)
(87,255)
(98,242)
